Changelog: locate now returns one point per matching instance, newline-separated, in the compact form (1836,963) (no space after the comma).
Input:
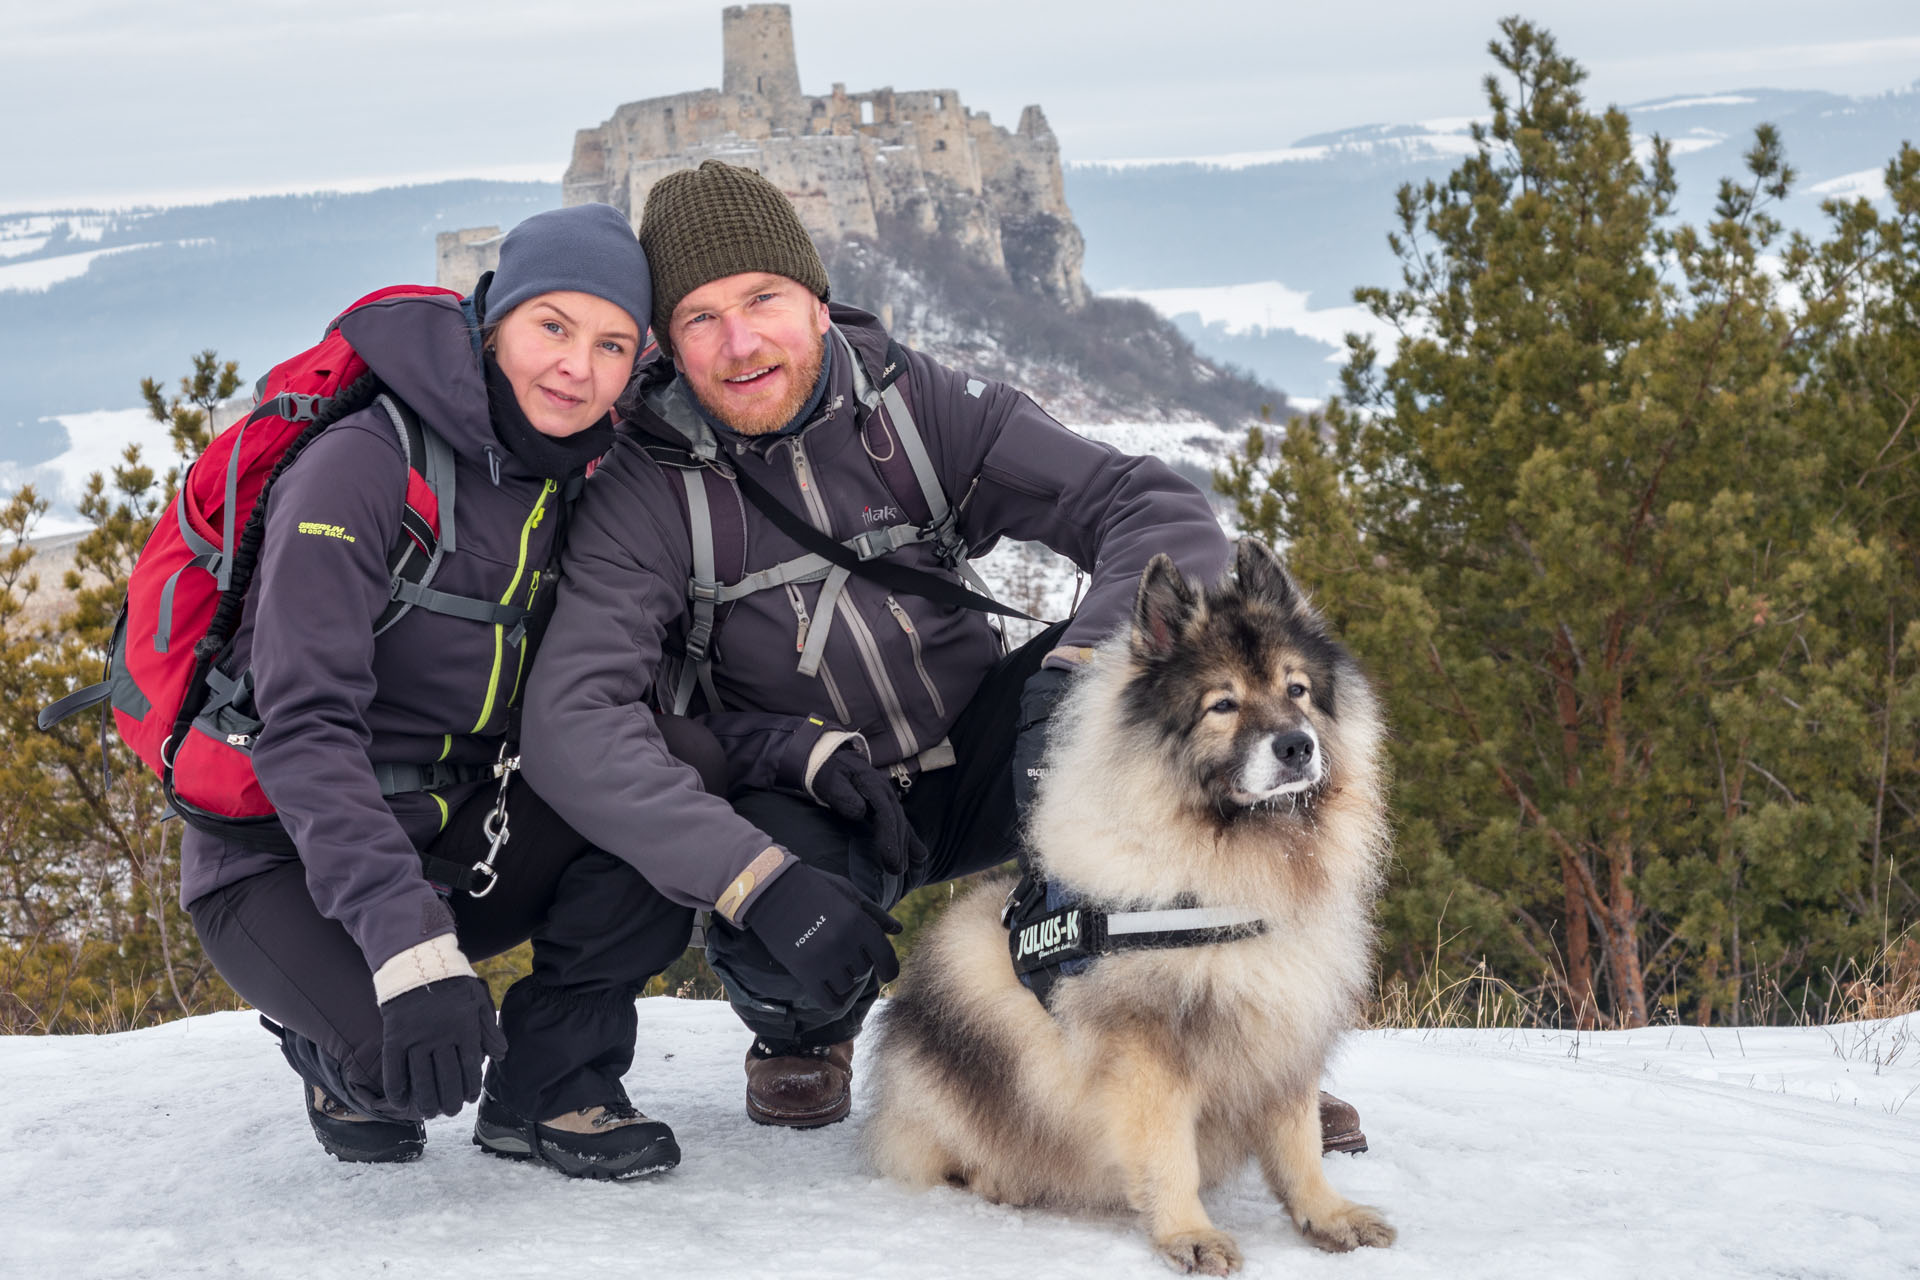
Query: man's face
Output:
(750,347)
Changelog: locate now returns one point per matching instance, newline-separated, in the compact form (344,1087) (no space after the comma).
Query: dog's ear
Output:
(1162,609)
(1261,574)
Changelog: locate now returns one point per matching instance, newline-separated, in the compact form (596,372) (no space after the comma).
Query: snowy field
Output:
(182,1150)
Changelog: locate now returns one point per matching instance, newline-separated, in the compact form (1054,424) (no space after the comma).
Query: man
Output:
(873,732)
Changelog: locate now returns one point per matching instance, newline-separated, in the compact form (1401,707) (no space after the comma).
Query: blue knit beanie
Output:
(588,248)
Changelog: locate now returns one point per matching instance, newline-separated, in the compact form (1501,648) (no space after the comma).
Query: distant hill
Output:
(1314,217)
(254,279)
(1254,256)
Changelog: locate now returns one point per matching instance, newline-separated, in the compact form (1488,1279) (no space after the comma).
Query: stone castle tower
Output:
(852,163)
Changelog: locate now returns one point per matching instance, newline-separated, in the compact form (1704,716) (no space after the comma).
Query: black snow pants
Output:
(964,813)
(599,932)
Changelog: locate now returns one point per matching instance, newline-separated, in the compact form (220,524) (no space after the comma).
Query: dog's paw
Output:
(1207,1253)
(1348,1228)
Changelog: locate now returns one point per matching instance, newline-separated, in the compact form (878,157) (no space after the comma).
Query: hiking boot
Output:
(608,1143)
(359,1139)
(1340,1127)
(799,1086)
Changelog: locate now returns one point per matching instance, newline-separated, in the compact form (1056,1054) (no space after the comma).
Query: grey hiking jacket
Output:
(431,688)
(898,669)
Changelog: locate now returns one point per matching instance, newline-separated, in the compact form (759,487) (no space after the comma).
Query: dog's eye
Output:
(1296,690)
(1224,706)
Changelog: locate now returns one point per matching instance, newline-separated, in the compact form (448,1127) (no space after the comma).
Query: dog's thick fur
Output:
(1159,1072)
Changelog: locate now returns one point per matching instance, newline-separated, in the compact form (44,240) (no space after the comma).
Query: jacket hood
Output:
(424,351)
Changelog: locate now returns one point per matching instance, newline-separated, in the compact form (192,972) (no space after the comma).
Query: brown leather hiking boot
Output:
(799,1086)
(1340,1126)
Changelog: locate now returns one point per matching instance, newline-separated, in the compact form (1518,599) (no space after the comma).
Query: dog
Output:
(1219,753)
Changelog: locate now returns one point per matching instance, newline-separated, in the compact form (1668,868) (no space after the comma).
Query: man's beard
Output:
(764,419)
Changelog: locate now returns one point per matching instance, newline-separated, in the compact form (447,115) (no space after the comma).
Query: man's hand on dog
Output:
(820,928)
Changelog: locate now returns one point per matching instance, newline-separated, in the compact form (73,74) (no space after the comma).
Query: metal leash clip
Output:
(494,828)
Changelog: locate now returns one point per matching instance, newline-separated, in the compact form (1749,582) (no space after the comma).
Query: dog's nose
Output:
(1294,749)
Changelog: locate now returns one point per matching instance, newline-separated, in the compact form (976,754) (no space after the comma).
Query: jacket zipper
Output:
(913,638)
(520,670)
(863,639)
(499,631)
(799,604)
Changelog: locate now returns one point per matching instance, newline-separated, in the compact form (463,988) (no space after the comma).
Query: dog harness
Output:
(1053,933)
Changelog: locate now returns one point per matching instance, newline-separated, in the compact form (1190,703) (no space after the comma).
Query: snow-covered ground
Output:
(182,1150)
(95,442)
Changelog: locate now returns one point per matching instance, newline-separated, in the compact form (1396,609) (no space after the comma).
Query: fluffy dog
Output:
(1219,753)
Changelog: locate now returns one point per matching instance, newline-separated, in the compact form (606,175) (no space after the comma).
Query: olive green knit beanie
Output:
(701,225)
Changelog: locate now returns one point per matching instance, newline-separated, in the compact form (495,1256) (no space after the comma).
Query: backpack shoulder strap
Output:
(883,392)
(427,530)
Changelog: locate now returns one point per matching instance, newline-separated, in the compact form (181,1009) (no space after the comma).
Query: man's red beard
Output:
(763,418)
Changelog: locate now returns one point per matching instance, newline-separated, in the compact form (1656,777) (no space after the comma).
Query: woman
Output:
(378,753)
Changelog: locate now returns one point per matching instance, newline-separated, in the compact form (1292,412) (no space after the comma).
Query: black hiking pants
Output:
(964,813)
(599,932)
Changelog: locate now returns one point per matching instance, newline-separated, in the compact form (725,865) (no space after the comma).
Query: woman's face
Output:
(568,356)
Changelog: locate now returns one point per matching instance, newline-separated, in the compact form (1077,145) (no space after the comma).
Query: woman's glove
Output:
(433,1041)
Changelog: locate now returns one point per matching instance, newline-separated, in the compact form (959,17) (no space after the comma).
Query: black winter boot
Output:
(609,1143)
(359,1139)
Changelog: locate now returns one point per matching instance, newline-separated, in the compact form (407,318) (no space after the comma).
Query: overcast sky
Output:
(113,100)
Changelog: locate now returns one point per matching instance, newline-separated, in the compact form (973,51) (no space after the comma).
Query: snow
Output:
(182,1149)
(174,197)
(95,442)
(42,274)
(1422,146)
(17,246)
(1709,100)
(1266,304)
(1868,184)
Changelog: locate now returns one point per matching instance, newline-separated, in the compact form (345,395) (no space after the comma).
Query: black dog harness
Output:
(1053,933)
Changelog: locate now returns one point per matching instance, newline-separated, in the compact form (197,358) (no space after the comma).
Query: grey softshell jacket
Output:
(333,698)
(898,669)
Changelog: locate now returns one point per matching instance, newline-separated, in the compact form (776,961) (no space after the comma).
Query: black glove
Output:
(432,1041)
(1037,699)
(858,792)
(823,932)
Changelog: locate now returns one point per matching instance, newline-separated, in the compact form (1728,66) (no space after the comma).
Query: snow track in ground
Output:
(182,1150)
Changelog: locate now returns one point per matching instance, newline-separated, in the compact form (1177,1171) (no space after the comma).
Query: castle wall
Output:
(848,161)
(461,257)
(757,58)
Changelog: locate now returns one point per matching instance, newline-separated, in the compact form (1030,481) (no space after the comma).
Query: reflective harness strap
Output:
(1052,933)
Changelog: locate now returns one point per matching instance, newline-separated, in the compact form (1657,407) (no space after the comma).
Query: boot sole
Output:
(1352,1143)
(513,1143)
(803,1120)
(404,1151)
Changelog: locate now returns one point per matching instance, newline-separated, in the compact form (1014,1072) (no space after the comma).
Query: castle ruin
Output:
(851,163)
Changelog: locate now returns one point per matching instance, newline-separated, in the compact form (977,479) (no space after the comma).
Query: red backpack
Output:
(189,719)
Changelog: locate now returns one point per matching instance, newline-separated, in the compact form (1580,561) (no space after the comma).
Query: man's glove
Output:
(823,932)
(433,1039)
(858,792)
(1037,699)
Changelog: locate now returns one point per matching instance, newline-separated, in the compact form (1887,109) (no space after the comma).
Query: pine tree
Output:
(1581,525)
